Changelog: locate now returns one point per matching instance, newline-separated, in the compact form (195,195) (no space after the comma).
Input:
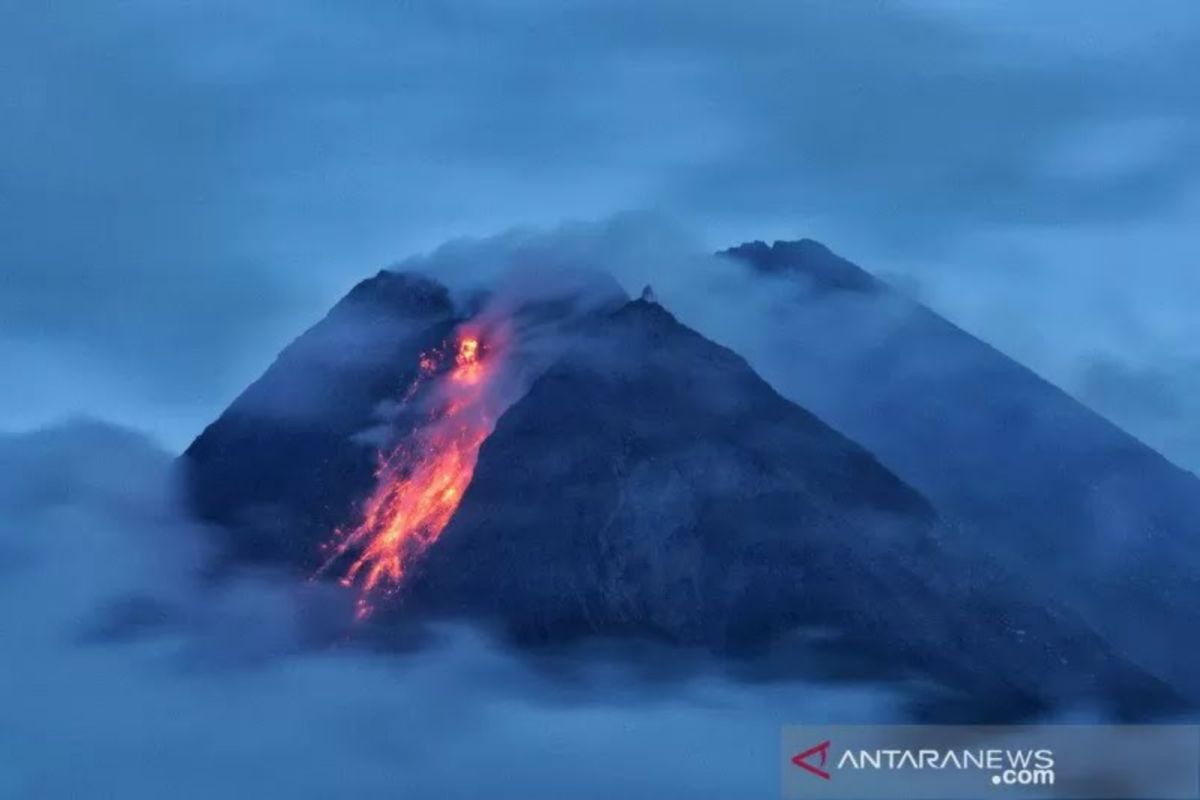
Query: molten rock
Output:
(641,482)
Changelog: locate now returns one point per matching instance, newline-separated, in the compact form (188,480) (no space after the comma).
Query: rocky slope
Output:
(648,485)
(1084,512)
(286,462)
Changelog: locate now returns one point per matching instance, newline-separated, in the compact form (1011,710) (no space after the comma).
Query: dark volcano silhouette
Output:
(648,485)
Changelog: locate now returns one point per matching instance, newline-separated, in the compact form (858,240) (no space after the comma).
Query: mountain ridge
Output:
(1062,494)
(649,483)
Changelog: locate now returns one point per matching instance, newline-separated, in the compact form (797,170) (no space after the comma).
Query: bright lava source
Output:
(420,483)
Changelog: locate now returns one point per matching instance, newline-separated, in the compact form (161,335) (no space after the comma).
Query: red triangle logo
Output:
(801,759)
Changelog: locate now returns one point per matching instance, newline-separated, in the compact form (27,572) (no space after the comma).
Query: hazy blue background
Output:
(185,186)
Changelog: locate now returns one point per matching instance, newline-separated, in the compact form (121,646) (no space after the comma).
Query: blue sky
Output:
(186,186)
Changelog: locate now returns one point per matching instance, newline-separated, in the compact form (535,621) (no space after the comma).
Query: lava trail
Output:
(420,482)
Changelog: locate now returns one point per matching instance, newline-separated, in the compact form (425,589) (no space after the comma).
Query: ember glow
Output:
(421,481)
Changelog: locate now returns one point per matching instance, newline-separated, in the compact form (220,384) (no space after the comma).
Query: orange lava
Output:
(421,482)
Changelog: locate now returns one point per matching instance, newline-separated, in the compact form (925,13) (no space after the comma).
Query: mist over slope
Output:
(128,673)
(1083,510)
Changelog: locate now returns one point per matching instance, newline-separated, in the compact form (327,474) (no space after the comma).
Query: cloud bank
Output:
(127,674)
(187,187)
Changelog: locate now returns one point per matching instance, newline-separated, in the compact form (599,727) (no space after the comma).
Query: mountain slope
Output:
(645,433)
(284,464)
(1084,511)
(648,485)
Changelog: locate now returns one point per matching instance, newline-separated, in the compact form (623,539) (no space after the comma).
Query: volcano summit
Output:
(575,465)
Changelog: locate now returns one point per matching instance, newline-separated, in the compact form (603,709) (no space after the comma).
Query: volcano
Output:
(635,482)
(279,469)
(1087,514)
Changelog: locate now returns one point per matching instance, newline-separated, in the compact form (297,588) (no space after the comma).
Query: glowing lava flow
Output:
(421,482)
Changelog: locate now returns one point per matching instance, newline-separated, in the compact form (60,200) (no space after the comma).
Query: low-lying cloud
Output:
(128,674)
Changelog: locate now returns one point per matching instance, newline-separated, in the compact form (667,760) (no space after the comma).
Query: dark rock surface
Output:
(648,486)
(287,461)
(651,485)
